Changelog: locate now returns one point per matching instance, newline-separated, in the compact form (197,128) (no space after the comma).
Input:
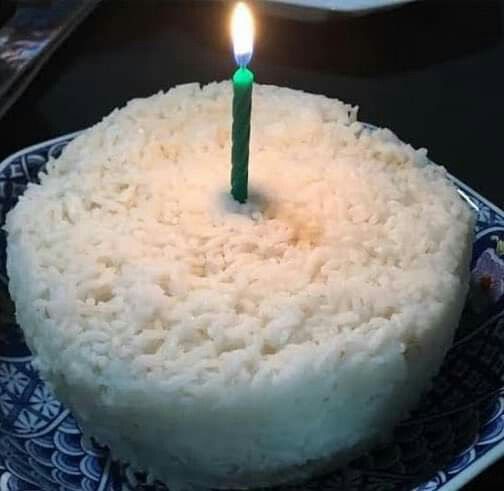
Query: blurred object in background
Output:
(314,10)
(30,31)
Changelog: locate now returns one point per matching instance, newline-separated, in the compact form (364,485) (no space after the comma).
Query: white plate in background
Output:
(313,10)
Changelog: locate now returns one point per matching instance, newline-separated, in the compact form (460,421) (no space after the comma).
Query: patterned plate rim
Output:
(36,146)
(466,474)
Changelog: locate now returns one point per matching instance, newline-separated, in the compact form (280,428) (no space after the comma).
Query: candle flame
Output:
(242,33)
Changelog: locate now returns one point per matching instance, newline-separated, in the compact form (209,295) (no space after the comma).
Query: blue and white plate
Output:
(455,433)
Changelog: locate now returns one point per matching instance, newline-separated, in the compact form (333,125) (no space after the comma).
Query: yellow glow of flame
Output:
(242,33)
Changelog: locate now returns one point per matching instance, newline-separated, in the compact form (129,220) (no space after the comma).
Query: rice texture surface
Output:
(211,343)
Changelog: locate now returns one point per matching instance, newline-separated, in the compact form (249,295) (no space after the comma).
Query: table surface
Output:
(433,71)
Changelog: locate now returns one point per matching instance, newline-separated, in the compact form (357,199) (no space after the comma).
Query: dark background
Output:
(433,71)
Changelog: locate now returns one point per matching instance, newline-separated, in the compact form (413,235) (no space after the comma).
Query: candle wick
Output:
(242,59)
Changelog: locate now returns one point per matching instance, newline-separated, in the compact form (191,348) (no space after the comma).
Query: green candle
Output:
(242,27)
(243,81)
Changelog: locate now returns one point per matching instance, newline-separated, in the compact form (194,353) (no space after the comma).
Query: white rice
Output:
(217,344)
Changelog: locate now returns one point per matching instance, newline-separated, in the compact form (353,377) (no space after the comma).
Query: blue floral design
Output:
(43,402)
(28,422)
(11,379)
(5,403)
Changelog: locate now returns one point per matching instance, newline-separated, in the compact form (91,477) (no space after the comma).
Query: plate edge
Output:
(474,470)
